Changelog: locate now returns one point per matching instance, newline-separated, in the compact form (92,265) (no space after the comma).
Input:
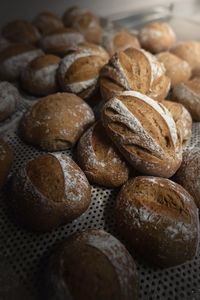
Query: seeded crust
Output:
(6,160)
(47,22)
(111,271)
(56,122)
(159,219)
(188,94)
(144,132)
(39,78)
(157,36)
(100,160)
(182,119)
(49,191)
(21,31)
(177,69)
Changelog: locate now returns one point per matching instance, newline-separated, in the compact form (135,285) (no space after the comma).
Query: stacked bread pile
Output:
(124,103)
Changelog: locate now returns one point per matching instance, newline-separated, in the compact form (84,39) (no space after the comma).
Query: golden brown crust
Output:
(56,122)
(21,31)
(49,191)
(144,132)
(100,160)
(6,160)
(47,22)
(159,215)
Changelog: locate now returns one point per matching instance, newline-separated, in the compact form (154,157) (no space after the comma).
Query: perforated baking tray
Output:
(21,251)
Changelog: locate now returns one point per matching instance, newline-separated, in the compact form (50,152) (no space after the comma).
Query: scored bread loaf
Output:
(159,219)
(93,265)
(100,160)
(6,160)
(56,122)
(9,99)
(50,190)
(78,72)
(182,119)
(144,132)
(47,22)
(188,94)
(134,69)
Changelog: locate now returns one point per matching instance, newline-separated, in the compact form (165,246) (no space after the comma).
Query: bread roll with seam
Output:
(78,71)
(182,119)
(159,219)
(134,69)
(56,122)
(111,271)
(144,132)
(39,78)
(50,190)
(9,99)
(100,160)
(14,58)
(188,94)
(6,161)
(47,22)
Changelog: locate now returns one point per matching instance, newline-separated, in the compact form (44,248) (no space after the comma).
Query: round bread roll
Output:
(47,22)
(6,160)
(157,36)
(9,99)
(188,94)
(91,265)
(119,41)
(85,22)
(134,69)
(144,132)
(99,160)
(182,119)
(15,58)
(56,122)
(51,190)
(39,78)
(177,69)
(78,72)
(21,31)
(189,51)
(159,219)
(188,175)
(61,41)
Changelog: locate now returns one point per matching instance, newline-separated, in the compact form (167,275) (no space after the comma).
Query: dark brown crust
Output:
(6,160)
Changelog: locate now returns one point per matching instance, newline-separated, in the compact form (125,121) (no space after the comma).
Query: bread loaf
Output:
(188,94)
(78,72)
(49,191)
(56,122)
(9,99)
(157,36)
(39,78)
(6,160)
(91,265)
(47,22)
(159,219)
(14,58)
(144,132)
(100,160)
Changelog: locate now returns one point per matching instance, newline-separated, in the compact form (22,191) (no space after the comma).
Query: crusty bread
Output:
(78,72)
(100,160)
(9,99)
(56,122)
(39,78)
(144,132)
(85,22)
(61,41)
(159,219)
(47,22)
(49,191)
(21,31)
(157,36)
(6,160)
(177,69)
(91,264)
(188,94)
(182,119)
(14,58)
